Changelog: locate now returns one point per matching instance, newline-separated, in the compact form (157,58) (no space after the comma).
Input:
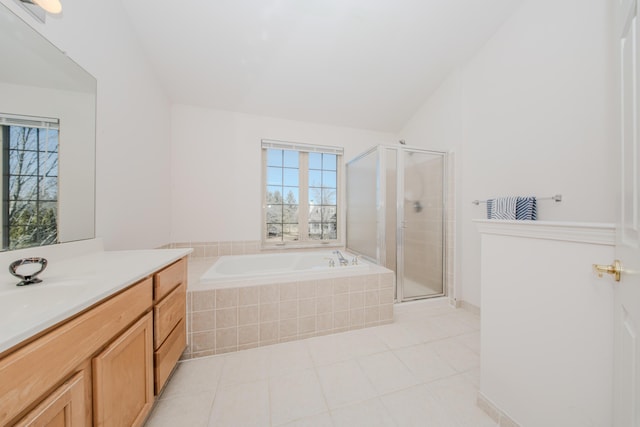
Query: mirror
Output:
(47,132)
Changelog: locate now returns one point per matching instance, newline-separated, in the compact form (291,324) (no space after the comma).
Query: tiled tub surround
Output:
(216,249)
(289,308)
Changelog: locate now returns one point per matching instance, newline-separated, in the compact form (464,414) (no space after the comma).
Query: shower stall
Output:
(396,215)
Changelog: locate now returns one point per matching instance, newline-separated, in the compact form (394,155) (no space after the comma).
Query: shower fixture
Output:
(412,196)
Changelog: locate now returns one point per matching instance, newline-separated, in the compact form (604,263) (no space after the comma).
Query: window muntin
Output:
(300,193)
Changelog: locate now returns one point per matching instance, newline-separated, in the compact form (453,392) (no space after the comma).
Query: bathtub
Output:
(247,301)
(264,267)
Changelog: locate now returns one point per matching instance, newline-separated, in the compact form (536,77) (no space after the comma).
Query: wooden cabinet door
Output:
(123,378)
(65,407)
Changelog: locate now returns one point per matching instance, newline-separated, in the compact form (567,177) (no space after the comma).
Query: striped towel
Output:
(504,208)
(512,208)
(490,208)
(526,208)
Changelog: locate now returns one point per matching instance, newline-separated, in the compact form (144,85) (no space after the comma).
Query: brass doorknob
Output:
(615,269)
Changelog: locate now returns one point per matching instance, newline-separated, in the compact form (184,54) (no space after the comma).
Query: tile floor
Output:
(422,370)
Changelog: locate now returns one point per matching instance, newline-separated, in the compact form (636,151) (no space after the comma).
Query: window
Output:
(301,193)
(30,181)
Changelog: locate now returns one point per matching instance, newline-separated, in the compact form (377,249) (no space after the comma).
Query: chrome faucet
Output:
(28,279)
(342,259)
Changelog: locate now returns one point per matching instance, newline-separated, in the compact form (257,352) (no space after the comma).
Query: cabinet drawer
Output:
(167,356)
(169,278)
(167,313)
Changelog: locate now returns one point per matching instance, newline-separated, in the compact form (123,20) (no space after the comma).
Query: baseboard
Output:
(468,306)
(494,412)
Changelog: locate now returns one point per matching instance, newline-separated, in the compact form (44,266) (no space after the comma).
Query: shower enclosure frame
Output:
(382,163)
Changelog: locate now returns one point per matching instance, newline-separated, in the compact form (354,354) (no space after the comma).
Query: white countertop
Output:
(71,285)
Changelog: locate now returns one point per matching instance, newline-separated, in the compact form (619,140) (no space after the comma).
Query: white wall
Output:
(133,148)
(216,167)
(528,115)
(551,362)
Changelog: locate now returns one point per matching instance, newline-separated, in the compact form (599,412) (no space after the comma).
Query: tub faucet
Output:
(332,263)
(342,259)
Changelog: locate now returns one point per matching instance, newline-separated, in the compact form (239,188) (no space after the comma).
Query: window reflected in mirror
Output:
(30,181)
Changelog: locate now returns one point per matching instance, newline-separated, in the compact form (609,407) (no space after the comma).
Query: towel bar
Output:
(556,198)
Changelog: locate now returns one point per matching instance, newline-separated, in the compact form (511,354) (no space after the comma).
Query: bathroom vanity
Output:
(96,341)
(101,358)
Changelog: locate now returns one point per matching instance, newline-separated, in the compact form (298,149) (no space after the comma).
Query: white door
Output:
(627,291)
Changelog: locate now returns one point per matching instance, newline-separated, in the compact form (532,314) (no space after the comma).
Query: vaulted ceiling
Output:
(367,64)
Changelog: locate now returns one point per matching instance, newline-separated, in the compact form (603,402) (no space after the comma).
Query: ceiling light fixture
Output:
(52,6)
(39,8)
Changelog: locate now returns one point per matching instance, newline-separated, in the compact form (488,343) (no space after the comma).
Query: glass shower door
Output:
(421,257)
(362,205)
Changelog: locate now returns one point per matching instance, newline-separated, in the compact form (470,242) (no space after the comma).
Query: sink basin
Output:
(28,303)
